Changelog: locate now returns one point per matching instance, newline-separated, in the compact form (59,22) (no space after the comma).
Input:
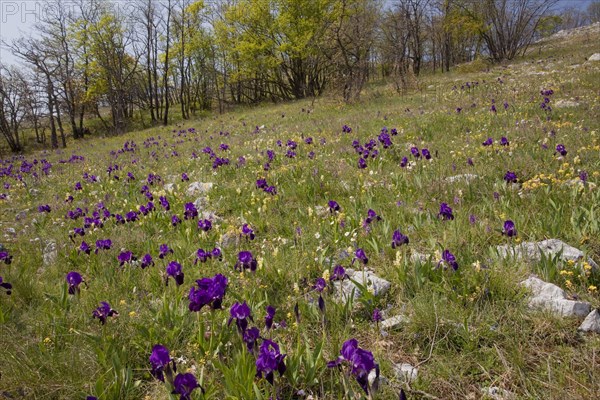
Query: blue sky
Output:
(17,17)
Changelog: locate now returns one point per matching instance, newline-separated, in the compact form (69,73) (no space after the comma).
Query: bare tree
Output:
(12,106)
(510,25)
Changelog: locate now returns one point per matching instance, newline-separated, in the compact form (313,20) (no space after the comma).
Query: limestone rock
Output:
(566,104)
(50,253)
(373,283)
(406,372)
(496,393)
(394,322)
(462,178)
(551,247)
(550,297)
(210,216)
(200,203)
(230,239)
(169,187)
(594,57)
(196,188)
(591,323)
(322,212)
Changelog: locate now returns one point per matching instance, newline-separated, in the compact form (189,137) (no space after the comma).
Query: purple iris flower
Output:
(269,360)
(164,203)
(184,385)
(509,228)
(6,258)
(470,161)
(359,360)
(445,212)
(247,231)
(6,286)
(449,259)
(208,291)
(385,140)
(250,337)
(246,261)
(398,239)
(174,270)
(163,250)
(583,176)
(184,177)
(204,225)
(119,219)
(472,219)
(201,255)
(377,315)
(346,129)
(78,186)
(241,313)
(144,210)
(160,360)
(510,177)
(103,311)
(269,317)
(271,190)
(372,216)
(360,255)
(291,144)
(333,206)
(404,162)
(320,285)
(44,208)
(146,261)
(190,211)
(126,257)
(84,247)
(426,154)
(415,152)
(131,216)
(308,140)
(339,274)
(74,279)
(175,220)
(560,149)
(504,141)
(216,253)
(362,163)
(261,183)
(103,244)
(488,142)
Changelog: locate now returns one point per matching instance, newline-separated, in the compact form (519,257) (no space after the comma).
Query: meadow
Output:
(221,246)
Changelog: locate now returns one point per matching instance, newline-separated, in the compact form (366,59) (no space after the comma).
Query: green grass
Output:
(468,329)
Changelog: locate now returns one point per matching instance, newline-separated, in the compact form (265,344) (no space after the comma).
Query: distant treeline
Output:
(167,59)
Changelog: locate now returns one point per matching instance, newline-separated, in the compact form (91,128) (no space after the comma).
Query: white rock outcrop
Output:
(406,372)
(531,251)
(550,297)
(197,188)
(591,323)
(345,289)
